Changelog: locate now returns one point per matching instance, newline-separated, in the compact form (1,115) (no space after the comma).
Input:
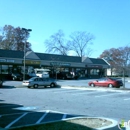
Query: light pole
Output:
(26,31)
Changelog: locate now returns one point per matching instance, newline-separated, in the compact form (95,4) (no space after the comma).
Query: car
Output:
(107,82)
(66,75)
(17,76)
(1,82)
(38,81)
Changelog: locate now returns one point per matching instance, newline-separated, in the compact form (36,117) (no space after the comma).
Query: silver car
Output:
(37,81)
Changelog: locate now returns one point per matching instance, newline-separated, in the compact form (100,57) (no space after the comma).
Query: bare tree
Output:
(14,38)
(79,43)
(57,44)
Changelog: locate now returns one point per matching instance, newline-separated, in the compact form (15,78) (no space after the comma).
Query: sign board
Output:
(7,60)
(59,64)
(32,62)
(93,66)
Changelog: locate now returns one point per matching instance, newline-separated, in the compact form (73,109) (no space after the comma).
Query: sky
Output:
(107,20)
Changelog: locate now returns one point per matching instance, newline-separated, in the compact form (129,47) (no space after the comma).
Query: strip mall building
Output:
(11,61)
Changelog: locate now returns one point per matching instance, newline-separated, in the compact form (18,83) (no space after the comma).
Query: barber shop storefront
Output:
(14,61)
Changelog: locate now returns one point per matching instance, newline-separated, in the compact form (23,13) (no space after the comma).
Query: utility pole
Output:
(26,31)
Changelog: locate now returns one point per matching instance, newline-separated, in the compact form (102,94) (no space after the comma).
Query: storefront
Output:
(13,61)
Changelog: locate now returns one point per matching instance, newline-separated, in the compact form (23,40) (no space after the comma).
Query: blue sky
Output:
(107,20)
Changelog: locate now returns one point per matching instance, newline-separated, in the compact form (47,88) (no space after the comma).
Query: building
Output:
(13,61)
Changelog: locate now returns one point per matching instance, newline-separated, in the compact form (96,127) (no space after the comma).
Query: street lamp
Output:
(26,31)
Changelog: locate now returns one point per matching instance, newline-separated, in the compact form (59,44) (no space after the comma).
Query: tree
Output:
(57,43)
(14,38)
(79,43)
(119,58)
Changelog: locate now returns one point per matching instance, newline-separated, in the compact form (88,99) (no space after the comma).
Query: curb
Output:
(89,88)
(98,89)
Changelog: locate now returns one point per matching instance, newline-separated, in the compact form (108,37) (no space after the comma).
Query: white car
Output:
(43,74)
(37,81)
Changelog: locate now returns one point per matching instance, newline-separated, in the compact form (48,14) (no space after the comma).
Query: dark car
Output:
(1,82)
(106,82)
(17,76)
(66,75)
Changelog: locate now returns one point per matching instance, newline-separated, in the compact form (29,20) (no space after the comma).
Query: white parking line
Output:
(42,117)
(107,95)
(64,116)
(16,120)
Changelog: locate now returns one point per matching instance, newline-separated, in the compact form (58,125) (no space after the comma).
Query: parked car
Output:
(37,81)
(1,82)
(66,75)
(107,82)
(17,76)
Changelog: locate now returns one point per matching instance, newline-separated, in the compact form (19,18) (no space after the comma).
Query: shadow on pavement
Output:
(15,116)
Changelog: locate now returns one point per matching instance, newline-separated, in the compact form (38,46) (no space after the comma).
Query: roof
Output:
(42,56)
(98,61)
(54,57)
(11,53)
(49,57)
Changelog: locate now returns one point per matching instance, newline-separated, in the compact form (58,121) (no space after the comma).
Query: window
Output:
(4,69)
(94,72)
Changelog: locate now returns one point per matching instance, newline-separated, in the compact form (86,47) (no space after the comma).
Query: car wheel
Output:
(110,85)
(92,85)
(52,85)
(35,85)
(13,78)
(29,86)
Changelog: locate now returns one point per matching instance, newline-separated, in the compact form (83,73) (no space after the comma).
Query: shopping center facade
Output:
(13,61)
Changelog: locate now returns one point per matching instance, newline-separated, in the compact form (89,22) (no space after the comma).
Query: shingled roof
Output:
(11,53)
(98,61)
(54,57)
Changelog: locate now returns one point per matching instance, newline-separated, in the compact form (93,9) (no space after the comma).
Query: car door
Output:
(102,82)
(44,82)
(40,81)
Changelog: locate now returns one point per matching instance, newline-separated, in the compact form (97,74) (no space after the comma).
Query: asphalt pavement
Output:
(14,114)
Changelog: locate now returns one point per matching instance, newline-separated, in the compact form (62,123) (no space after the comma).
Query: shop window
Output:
(4,69)
(94,72)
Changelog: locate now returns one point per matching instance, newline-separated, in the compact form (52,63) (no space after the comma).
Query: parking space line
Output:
(107,95)
(16,120)
(64,116)
(42,117)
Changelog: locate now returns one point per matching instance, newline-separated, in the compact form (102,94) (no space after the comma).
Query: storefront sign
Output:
(6,60)
(59,64)
(93,66)
(32,62)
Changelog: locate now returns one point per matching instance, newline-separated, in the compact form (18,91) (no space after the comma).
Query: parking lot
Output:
(22,106)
